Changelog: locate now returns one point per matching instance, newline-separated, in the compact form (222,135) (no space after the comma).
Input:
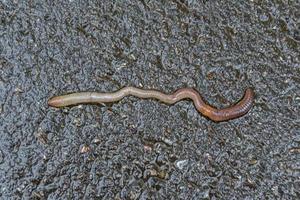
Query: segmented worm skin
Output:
(217,115)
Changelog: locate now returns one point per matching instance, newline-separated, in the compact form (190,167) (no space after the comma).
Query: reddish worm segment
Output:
(217,115)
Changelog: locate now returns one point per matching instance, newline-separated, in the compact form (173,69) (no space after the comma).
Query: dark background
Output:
(143,149)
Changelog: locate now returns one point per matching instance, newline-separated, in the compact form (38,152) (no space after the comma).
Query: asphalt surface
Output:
(143,149)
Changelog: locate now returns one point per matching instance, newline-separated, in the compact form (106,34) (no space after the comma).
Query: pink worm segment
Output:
(217,115)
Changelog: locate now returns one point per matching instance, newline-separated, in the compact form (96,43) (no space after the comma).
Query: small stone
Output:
(147,148)
(18,90)
(167,141)
(253,161)
(264,18)
(162,174)
(181,164)
(96,141)
(294,150)
(77,122)
(85,148)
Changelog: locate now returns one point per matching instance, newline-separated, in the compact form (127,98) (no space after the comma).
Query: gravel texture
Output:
(143,149)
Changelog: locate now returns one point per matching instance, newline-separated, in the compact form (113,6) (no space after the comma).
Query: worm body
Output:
(217,115)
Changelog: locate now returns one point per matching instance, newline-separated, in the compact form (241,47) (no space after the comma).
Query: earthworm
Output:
(217,115)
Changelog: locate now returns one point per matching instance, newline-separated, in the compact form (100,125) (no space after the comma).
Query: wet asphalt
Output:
(143,149)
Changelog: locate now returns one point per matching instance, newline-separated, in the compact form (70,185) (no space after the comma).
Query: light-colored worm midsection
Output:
(237,110)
